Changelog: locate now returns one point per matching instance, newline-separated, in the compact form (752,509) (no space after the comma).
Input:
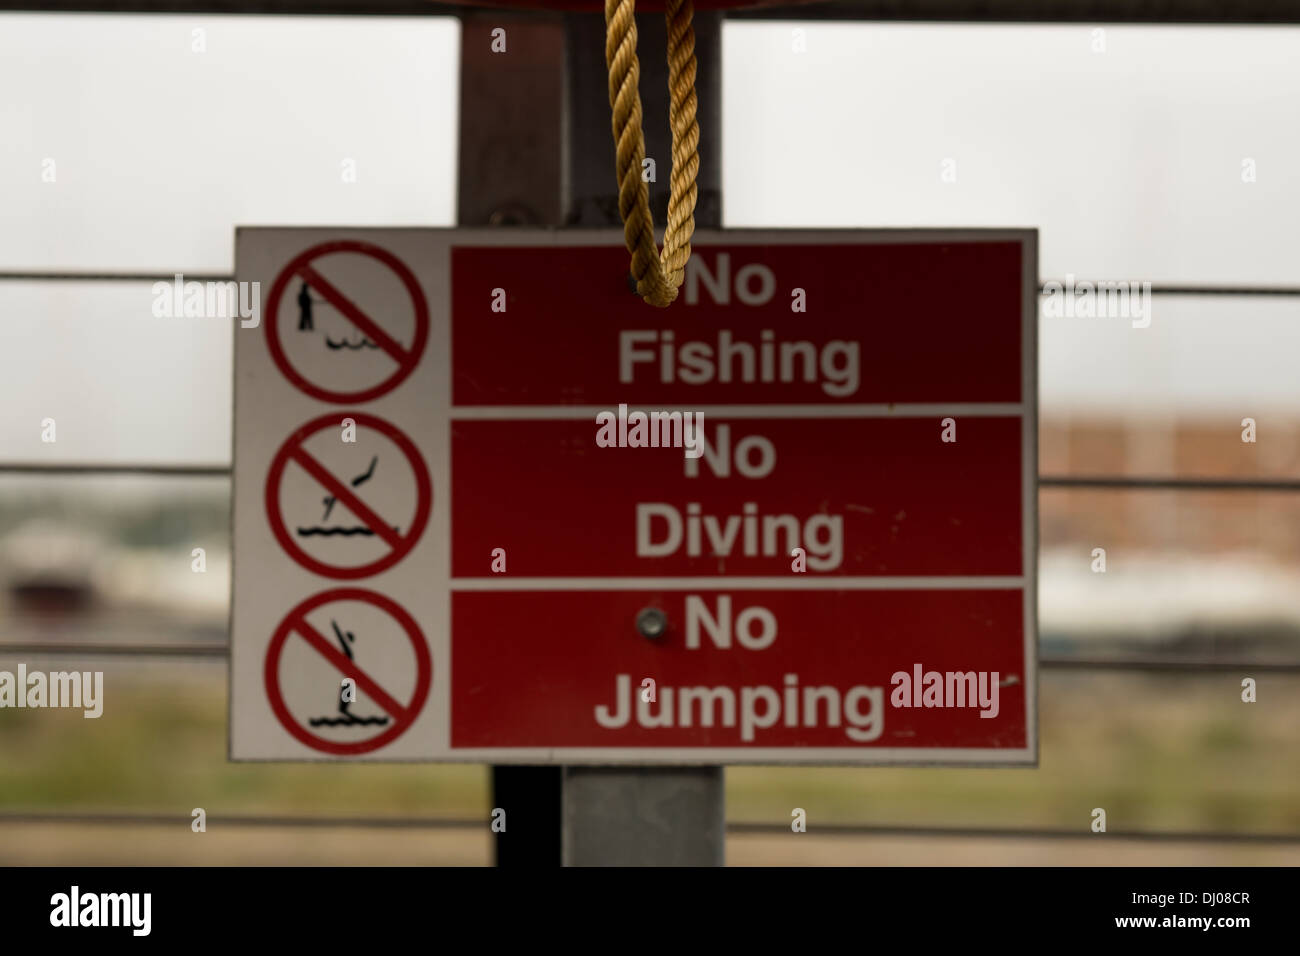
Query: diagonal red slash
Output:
(358,318)
(345,495)
(348,668)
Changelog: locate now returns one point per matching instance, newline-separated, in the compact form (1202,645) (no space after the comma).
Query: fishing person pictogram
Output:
(307,323)
(305,302)
(344,291)
(345,640)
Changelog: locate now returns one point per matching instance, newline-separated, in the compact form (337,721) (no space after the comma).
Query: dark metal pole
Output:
(511,115)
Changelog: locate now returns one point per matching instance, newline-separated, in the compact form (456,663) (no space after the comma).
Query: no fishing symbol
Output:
(358,333)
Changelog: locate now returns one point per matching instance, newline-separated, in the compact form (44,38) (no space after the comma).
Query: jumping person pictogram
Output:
(346,639)
(340,654)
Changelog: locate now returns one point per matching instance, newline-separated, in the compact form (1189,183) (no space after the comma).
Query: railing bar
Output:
(1098,482)
(1019,833)
(1174,289)
(154,819)
(1101,482)
(220,650)
(1149,664)
(112,277)
(1002,12)
(61,648)
(737,827)
(1156,288)
(34,468)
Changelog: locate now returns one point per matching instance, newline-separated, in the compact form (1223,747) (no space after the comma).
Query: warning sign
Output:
(346,321)
(340,475)
(790,519)
(320,482)
(813,476)
(347,629)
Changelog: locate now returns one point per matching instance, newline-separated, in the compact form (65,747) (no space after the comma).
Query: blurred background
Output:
(1131,159)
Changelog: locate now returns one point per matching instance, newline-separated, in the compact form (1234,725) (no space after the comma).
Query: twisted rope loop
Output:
(658,275)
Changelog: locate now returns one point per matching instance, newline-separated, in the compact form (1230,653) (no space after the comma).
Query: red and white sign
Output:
(909,505)
(335,545)
(841,570)
(395,332)
(343,731)
(340,475)
(737,668)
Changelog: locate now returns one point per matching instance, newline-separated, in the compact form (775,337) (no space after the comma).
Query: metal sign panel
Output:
(490,506)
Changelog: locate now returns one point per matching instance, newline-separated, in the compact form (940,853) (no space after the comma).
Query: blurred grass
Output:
(160,747)
(1159,752)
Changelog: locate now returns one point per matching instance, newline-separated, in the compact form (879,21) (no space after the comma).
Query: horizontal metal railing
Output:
(173,470)
(1157,288)
(219,650)
(1105,12)
(1094,482)
(735,827)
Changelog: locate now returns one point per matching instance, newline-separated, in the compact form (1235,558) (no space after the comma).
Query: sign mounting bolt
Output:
(651,623)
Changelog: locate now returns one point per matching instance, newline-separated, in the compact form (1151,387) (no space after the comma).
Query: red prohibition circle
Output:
(292,450)
(406,359)
(296,620)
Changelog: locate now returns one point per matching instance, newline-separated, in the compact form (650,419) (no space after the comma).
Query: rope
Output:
(658,275)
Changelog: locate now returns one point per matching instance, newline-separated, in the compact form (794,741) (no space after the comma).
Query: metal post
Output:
(536,148)
(640,816)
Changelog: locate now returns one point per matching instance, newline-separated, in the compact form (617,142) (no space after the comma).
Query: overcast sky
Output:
(1128,160)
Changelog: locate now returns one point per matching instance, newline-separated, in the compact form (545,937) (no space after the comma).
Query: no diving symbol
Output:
(362,332)
(345,490)
(385,613)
